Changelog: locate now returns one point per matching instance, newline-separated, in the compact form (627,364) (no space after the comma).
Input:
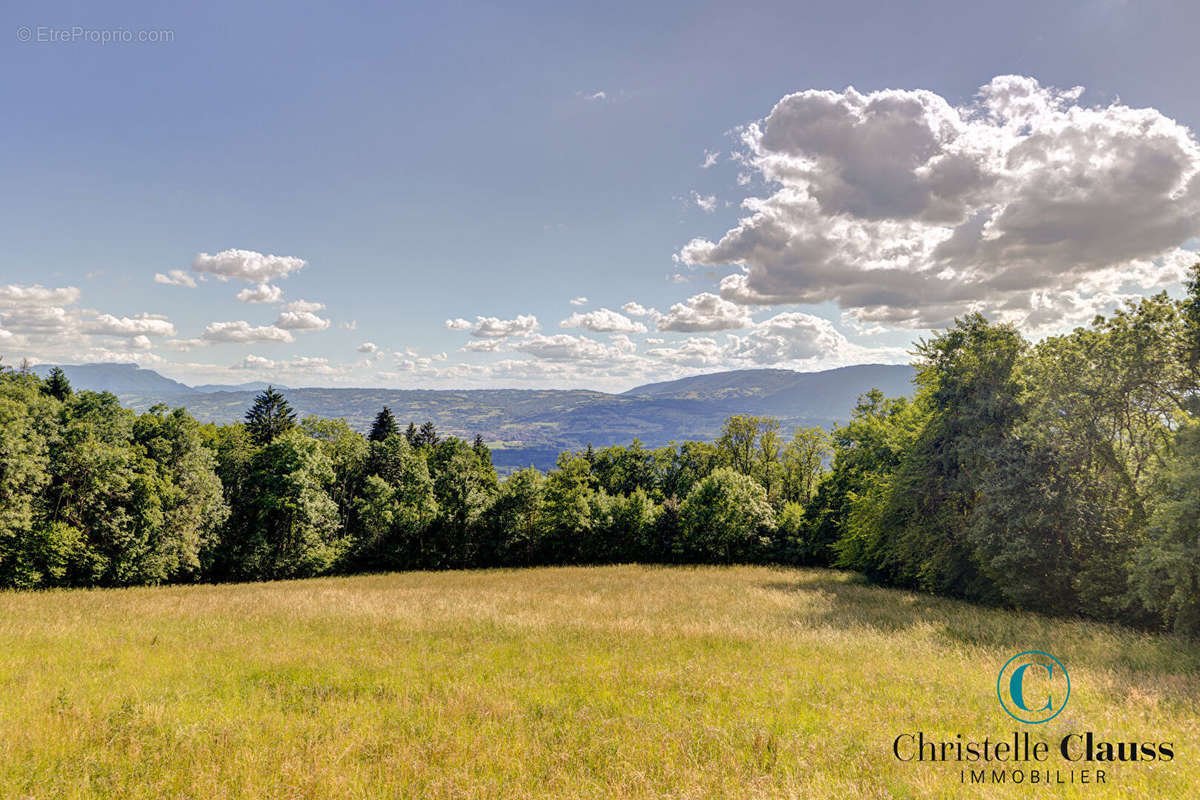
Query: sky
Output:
(580,195)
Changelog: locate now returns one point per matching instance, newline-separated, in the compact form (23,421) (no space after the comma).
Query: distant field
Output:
(568,682)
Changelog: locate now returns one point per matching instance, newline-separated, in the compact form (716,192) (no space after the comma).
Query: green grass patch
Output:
(568,682)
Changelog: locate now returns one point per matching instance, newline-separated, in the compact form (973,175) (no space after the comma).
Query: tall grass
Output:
(568,682)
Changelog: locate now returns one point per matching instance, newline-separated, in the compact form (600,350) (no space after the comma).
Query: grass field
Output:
(572,682)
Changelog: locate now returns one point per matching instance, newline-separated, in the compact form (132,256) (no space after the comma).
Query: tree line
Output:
(1061,477)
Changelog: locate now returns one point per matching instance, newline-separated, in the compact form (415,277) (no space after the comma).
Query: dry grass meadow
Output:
(620,682)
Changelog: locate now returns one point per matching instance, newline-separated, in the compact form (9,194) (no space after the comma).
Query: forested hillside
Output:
(1062,476)
(530,427)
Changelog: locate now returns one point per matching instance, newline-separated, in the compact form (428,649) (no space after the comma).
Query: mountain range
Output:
(531,426)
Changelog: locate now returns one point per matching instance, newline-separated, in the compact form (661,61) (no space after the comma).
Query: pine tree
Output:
(385,426)
(57,385)
(482,452)
(411,435)
(427,436)
(270,416)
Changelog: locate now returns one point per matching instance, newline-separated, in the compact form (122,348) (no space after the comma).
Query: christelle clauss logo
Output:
(1033,687)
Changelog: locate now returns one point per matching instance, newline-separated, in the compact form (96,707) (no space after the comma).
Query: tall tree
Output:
(57,385)
(269,417)
(384,426)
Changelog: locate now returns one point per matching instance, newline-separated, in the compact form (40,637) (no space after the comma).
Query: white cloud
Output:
(710,159)
(301,306)
(496,328)
(367,347)
(788,337)
(175,277)
(246,265)
(579,301)
(15,295)
(908,211)
(564,347)
(704,312)
(262,293)
(301,366)
(301,321)
(243,332)
(603,321)
(42,320)
(694,351)
(138,325)
(253,362)
(706,203)
(637,310)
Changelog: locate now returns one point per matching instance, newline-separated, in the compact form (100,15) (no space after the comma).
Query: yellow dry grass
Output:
(621,682)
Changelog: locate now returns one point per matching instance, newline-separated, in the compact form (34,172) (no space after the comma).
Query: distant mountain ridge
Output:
(120,379)
(531,426)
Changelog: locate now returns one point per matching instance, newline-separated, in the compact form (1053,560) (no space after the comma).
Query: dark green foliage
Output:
(56,384)
(269,417)
(427,436)
(383,426)
(1166,573)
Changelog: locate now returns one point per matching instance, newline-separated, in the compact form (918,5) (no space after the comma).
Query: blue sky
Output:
(433,165)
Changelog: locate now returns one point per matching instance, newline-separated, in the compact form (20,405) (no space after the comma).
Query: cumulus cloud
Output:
(262,293)
(710,159)
(368,347)
(301,306)
(246,265)
(704,312)
(564,347)
(579,301)
(603,321)
(496,328)
(637,310)
(695,351)
(175,277)
(253,362)
(791,336)
(301,321)
(15,295)
(907,210)
(41,320)
(138,325)
(242,332)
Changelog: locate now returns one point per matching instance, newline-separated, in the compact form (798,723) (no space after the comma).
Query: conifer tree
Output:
(384,426)
(57,385)
(427,436)
(270,416)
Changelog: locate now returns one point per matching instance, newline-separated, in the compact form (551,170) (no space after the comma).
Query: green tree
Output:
(292,526)
(269,417)
(56,384)
(726,518)
(803,463)
(738,445)
(384,426)
(1166,572)
(397,506)
(515,520)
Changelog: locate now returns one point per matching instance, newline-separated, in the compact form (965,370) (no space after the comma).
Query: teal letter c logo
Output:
(1011,687)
